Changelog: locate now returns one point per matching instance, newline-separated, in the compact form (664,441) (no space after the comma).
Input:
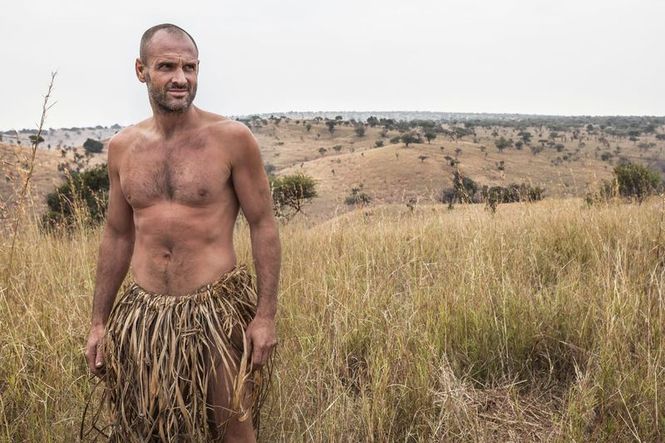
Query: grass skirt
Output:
(157,362)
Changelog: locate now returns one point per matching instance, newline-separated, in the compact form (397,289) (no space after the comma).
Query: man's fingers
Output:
(90,358)
(257,356)
(99,358)
(260,355)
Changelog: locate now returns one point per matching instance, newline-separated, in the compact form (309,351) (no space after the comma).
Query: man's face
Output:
(170,72)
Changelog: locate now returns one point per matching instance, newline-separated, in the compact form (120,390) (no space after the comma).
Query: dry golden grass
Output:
(542,322)
(14,161)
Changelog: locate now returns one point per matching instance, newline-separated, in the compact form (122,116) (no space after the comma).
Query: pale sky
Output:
(571,57)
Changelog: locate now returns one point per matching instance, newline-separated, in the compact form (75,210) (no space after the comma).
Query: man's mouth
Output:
(178,91)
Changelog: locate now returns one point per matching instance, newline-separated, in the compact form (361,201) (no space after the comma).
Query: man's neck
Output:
(168,123)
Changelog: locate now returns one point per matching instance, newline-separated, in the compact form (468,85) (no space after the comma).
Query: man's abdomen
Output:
(179,248)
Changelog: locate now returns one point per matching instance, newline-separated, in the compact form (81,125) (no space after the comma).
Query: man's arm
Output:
(253,190)
(115,252)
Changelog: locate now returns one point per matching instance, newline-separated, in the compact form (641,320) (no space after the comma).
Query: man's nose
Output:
(179,76)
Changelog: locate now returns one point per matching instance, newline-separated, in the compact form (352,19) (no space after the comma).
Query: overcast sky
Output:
(596,57)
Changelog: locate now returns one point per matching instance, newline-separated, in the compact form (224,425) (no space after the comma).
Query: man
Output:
(185,351)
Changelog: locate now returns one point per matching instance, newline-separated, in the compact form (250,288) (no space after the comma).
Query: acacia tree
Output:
(502,143)
(409,137)
(92,145)
(331,126)
(291,192)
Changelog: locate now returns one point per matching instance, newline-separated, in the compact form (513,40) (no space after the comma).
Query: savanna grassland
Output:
(542,322)
(405,319)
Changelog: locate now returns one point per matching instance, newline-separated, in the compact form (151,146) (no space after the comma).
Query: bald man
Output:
(185,352)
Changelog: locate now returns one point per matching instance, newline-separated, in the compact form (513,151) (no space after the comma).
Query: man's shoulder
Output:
(226,127)
(127,134)
(233,136)
(119,143)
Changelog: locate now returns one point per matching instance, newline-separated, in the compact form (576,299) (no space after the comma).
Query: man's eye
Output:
(189,67)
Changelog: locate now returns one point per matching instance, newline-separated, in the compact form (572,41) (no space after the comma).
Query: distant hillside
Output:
(566,163)
(58,138)
(567,156)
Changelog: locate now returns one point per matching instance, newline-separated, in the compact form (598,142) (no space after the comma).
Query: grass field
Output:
(542,322)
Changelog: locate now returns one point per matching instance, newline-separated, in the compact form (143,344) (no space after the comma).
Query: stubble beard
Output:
(167,105)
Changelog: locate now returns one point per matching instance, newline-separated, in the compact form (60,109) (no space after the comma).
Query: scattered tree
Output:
(502,143)
(410,137)
(291,192)
(94,146)
(430,135)
(331,126)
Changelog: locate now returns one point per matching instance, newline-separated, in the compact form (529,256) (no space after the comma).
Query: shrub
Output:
(331,126)
(502,143)
(512,193)
(89,188)
(291,192)
(35,140)
(94,146)
(357,197)
(463,191)
(637,181)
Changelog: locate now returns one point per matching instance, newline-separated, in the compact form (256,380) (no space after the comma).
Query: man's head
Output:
(168,64)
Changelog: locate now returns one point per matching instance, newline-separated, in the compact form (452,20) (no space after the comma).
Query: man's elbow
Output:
(265,223)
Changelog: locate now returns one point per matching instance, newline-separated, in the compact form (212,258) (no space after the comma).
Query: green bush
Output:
(637,181)
(502,143)
(88,189)
(357,197)
(410,137)
(291,192)
(514,192)
(94,146)
(464,187)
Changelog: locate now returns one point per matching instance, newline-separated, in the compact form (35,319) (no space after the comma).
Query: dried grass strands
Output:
(158,362)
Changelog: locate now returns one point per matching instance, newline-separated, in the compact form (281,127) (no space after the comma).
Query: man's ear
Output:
(139,67)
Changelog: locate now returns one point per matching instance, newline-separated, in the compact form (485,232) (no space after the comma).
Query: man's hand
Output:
(93,351)
(262,338)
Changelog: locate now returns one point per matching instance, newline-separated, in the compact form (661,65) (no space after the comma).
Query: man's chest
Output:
(194,174)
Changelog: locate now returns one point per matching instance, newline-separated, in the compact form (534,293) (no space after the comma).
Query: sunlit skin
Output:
(177,182)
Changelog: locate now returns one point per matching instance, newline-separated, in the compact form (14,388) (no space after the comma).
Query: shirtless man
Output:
(177,181)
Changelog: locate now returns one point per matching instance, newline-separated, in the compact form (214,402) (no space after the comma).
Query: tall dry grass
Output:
(542,322)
